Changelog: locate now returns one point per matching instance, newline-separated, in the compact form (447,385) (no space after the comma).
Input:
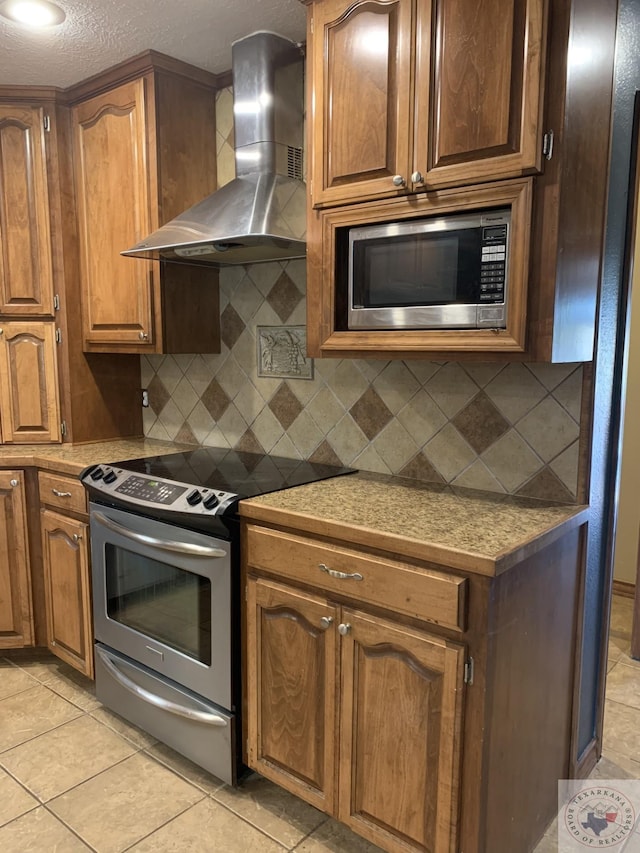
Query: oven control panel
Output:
(146,491)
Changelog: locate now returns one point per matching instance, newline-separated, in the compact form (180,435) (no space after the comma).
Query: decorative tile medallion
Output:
(282,352)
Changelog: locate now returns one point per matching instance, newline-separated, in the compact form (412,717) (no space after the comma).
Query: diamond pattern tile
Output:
(546,486)
(284,297)
(231,326)
(419,468)
(480,423)
(215,399)
(492,426)
(370,413)
(249,443)
(158,394)
(324,454)
(285,405)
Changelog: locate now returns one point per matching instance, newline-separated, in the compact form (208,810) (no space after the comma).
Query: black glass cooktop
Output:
(246,474)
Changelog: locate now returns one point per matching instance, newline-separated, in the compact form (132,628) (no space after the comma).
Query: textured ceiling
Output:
(100,33)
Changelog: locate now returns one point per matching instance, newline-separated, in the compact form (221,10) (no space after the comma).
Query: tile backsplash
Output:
(509,428)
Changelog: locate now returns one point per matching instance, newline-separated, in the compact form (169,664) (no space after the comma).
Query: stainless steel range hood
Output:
(261,215)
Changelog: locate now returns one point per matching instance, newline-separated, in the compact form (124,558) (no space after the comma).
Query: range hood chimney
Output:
(261,215)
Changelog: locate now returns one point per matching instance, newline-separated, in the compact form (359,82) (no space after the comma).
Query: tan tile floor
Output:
(74,777)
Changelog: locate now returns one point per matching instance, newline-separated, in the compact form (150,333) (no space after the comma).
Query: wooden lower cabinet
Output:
(65,554)
(356,714)
(16,611)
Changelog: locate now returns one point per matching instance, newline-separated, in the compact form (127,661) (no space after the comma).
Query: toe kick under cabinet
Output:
(413,702)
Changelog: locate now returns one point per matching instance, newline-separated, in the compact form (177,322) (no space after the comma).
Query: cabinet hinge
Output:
(56,302)
(547,145)
(468,671)
(63,428)
(46,123)
(58,336)
(311,24)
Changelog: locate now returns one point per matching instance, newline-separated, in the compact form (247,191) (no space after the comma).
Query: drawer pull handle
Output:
(343,576)
(60,494)
(326,621)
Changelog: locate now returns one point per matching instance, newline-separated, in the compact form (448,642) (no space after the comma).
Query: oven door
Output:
(162,596)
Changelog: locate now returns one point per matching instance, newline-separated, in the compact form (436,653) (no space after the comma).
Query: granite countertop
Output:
(483,532)
(73,458)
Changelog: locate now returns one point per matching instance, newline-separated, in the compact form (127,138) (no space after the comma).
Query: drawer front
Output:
(421,593)
(65,493)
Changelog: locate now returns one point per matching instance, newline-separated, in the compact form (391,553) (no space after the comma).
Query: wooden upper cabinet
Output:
(408,95)
(113,190)
(144,151)
(29,397)
(16,611)
(361,103)
(26,274)
(487,76)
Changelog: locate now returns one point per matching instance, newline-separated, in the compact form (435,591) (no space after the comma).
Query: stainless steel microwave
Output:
(444,272)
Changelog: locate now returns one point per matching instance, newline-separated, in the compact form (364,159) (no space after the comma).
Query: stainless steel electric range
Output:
(165,569)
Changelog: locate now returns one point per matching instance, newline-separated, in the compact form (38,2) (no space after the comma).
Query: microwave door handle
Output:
(151,698)
(163,544)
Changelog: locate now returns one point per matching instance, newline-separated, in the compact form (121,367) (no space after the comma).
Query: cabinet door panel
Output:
(16,615)
(361,123)
(67,590)
(487,99)
(291,695)
(26,275)
(399,734)
(29,383)
(114,213)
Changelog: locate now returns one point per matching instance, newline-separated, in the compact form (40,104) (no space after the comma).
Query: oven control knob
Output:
(110,476)
(211,501)
(194,497)
(97,473)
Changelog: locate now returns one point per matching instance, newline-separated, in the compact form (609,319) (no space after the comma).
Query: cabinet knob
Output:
(416,178)
(326,621)
(14,483)
(77,537)
(344,628)
(143,336)
(398,181)
(1,331)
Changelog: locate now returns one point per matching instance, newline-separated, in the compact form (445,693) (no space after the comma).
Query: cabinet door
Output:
(29,383)
(292,690)
(486,106)
(67,590)
(361,81)
(401,705)
(26,276)
(16,614)
(114,192)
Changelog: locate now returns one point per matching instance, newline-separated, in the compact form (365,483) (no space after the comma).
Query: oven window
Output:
(165,603)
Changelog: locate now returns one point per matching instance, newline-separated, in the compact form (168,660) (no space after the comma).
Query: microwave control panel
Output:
(493,263)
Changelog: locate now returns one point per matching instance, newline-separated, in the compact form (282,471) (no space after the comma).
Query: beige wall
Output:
(626,549)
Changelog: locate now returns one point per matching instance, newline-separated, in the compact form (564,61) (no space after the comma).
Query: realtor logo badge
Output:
(599,817)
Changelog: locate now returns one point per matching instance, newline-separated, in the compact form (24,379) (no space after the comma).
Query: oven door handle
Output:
(163,544)
(152,699)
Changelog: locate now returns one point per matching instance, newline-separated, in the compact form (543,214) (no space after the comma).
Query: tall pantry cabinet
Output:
(49,390)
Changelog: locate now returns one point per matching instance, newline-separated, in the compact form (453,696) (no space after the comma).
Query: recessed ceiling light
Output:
(32,13)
